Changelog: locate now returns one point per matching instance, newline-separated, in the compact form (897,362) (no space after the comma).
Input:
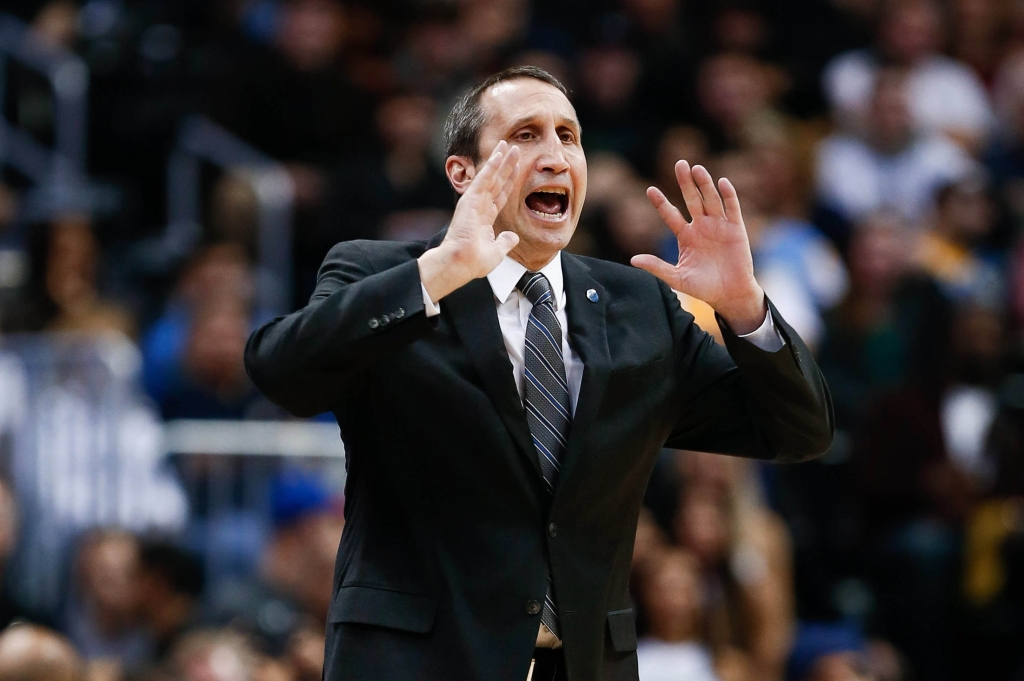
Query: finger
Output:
(656,266)
(706,185)
(691,195)
(508,170)
(669,213)
(506,241)
(485,178)
(731,200)
(506,189)
(503,178)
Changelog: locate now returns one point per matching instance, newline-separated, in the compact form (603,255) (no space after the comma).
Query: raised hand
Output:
(470,248)
(714,255)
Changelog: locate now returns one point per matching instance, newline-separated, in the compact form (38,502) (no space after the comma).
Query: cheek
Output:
(580,184)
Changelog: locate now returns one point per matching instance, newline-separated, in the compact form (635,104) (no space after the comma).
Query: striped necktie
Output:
(548,410)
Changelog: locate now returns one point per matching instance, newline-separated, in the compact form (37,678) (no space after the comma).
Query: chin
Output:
(538,245)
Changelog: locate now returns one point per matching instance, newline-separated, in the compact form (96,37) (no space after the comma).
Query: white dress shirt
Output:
(514,315)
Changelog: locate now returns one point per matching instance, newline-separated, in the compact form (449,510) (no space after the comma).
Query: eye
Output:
(524,135)
(568,137)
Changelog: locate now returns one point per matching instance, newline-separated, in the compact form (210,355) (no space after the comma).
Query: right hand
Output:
(470,249)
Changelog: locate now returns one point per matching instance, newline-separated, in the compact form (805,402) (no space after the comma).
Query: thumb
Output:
(506,241)
(656,266)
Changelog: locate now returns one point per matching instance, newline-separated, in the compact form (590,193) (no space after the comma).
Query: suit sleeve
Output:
(745,401)
(308,360)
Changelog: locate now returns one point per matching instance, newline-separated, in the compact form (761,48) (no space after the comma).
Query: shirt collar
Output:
(506,275)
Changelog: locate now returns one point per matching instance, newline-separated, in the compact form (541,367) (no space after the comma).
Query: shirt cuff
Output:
(766,337)
(433,309)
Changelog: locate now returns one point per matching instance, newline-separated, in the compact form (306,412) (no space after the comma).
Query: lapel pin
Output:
(592,295)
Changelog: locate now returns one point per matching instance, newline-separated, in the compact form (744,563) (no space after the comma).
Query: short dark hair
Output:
(462,129)
(180,569)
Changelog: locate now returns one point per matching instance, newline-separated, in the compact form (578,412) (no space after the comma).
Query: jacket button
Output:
(532,608)
(552,530)
(399,313)
(385,320)
(374,323)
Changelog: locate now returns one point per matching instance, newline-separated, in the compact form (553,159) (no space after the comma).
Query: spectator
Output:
(101,619)
(633,226)
(944,96)
(889,165)
(876,334)
(398,193)
(663,36)
(214,655)
(796,265)
(1005,157)
(434,59)
(609,73)
(33,653)
(922,470)
(299,558)
(678,142)
(873,339)
(298,104)
(994,546)
(650,542)
(979,35)
(743,552)
(953,252)
(219,273)
(170,585)
(213,383)
(72,262)
(737,94)
(88,453)
(670,594)
(493,27)
(11,609)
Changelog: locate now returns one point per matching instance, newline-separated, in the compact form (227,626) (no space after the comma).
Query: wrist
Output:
(746,313)
(441,272)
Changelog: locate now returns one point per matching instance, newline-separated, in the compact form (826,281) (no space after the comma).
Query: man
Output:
(502,404)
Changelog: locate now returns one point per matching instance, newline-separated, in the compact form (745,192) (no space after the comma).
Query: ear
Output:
(460,171)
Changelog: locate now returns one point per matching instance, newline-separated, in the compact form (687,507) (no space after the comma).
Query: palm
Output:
(714,255)
(472,225)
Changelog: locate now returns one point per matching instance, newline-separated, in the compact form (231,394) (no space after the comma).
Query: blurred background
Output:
(172,173)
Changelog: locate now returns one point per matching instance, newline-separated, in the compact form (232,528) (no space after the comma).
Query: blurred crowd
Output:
(878,150)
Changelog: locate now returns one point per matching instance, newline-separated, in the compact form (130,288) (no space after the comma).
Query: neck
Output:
(532,261)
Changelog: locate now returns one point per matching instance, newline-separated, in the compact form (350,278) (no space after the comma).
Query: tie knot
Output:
(536,287)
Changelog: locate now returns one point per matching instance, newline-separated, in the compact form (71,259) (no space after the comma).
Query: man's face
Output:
(545,203)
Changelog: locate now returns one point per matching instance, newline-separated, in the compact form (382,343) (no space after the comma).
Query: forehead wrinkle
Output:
(489,103)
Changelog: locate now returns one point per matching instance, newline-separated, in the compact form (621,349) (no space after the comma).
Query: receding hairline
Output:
(573,118)
(462,127)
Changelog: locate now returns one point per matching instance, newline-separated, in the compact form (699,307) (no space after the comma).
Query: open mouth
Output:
(549,204)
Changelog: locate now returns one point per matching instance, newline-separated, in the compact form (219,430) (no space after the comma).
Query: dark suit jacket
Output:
(449,529)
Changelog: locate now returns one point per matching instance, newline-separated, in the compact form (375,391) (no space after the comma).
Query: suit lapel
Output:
(472,311)
(588,336)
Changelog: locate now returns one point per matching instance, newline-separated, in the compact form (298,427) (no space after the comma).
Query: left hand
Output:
(714,255)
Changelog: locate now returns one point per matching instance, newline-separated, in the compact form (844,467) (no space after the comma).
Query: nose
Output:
(552,157)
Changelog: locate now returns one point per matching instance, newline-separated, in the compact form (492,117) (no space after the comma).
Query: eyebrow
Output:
(529,120)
